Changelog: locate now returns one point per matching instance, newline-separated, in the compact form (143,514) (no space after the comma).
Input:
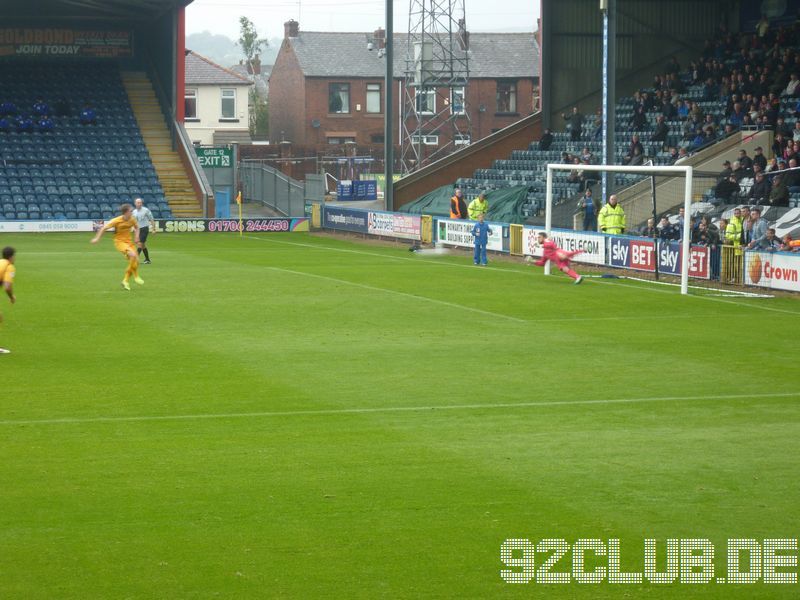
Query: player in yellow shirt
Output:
(123,226)
(7,272)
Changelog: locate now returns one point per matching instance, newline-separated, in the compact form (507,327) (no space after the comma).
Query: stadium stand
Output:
(73,170)
(704,96)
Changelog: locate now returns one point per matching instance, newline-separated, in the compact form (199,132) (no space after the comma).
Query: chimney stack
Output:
(463,35)
(380,38)
(291,29)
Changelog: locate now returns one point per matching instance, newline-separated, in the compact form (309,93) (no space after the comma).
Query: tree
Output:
(249,41)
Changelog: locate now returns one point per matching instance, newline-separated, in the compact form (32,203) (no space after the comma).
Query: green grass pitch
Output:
(305,417)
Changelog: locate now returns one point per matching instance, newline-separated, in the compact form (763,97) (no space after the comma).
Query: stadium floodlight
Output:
(674,187)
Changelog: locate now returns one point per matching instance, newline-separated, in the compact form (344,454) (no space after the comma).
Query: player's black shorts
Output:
(143,231)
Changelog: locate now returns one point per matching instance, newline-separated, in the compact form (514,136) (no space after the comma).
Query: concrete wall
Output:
(209,112)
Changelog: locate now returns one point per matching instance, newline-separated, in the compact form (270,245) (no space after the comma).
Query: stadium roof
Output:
(202,71)
(492,55)
(100,9)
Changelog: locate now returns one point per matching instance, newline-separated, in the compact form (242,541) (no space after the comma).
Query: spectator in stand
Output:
(637,159)
(790,245)
(737,115)
(769,242)
(727,189)
(747,224)
(683,155)
(759,158)
(45,124)
(673,155)
(639,119)
(574,124)
(8,109)
(739,171)
(683,109)
(792,177)
(791,88)
(666,231)
(698,140)
(62,108)
(674,84)
(24,124)
(762,27)
(586,156)
(726,171)
(635,144)
(88,115)
(778,145)
(546,141)
(772,165)
(650,230)
(779,194)
(759,191)
(668,109)
(673,66)
(597,133)
(703,236)
(661,132)
(783,129)
(40,108)
(576,174)
(612,217)
(758,227)
(5,124)
(586,204)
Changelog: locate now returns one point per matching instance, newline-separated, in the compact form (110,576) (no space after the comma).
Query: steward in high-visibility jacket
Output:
(734,231)
(612,218)
(479,206)
(458,208)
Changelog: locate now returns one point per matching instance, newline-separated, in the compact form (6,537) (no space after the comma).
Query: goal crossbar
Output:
(685,171)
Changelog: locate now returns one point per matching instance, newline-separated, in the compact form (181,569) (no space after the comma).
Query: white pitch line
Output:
(387,409)
(515,271)
(373,288)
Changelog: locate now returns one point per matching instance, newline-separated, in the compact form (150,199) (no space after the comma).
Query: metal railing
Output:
(273,189)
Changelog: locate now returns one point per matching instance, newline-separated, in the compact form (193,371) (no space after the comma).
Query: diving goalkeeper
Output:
(561,258)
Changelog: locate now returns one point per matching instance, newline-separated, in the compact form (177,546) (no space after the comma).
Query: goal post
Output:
(635,194)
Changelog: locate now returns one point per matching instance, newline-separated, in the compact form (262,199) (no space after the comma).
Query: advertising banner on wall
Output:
(592,245)
(48,226)
(394,225)
(459,233)
(231,225)
(640,255)
(66,42)
(346,219)
(774,270)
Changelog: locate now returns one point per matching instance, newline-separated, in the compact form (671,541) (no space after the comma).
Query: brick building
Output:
(326,88)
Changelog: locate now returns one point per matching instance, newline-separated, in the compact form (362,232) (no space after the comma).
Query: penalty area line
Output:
(391,409)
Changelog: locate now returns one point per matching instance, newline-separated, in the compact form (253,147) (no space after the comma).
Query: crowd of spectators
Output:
(40,116)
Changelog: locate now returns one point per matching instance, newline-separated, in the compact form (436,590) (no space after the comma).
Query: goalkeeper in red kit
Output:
(561,258)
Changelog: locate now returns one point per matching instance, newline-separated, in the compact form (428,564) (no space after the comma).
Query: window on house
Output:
(341,140)
(373,98)
(228,103)
(457,106)
(425,140)
(190,103)
(338,98)
(506,96)
(377,138)
(462,139)
(426,100)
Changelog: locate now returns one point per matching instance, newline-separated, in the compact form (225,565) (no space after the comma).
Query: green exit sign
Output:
(215,158)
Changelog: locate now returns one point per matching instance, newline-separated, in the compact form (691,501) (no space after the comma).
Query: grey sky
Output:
(222,16)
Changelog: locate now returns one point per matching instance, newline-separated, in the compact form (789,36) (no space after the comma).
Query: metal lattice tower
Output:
(435,83)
